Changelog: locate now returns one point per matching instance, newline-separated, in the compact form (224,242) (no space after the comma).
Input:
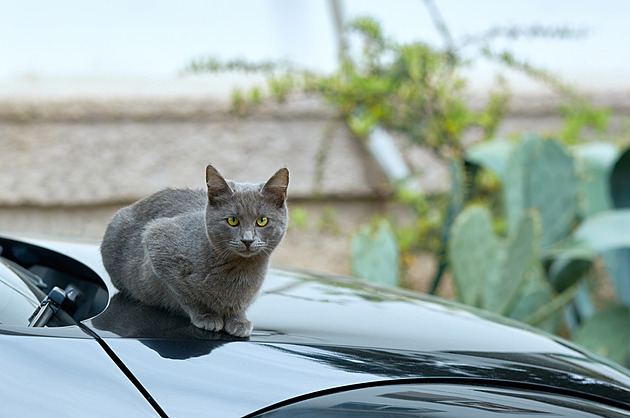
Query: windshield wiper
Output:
(56,300)
(49,307)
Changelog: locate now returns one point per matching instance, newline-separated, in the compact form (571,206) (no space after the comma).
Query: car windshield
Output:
(19,294)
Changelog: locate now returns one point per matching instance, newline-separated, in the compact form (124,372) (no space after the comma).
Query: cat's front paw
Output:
(239,327)
(208,322)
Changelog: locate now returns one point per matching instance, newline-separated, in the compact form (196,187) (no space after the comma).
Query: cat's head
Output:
(246,219)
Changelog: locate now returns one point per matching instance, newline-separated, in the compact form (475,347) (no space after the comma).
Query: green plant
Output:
(503,275)
(328,221)
(538,175)
(374,253)
(280,86)
(587,204)
(608,233)
(541,174)
(298,217)
(411,88)
(607,333)
(239,104)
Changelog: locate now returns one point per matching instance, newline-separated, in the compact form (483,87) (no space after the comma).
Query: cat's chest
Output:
(236,271)
(233,285)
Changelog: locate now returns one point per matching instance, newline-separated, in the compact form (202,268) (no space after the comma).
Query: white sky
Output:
(157,37)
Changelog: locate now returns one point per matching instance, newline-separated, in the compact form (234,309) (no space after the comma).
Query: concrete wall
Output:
(69,163)
(65,153)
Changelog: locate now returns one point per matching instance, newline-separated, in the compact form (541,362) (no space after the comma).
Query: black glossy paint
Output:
(443,400)
(70,377)
(315,334)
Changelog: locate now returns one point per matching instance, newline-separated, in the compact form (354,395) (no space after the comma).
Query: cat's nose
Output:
(247,238)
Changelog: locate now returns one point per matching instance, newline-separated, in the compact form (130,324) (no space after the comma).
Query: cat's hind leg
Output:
(170,267)
(162,240)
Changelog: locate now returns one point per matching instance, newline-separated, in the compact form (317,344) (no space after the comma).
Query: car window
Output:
(54,278)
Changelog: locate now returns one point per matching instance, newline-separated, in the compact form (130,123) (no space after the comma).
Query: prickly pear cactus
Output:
(607,333)
(536,293)
(519,261)
(374,254)
(472,252)
(541,174)
(488,272)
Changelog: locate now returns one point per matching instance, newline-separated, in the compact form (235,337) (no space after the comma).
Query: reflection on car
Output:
(322,346)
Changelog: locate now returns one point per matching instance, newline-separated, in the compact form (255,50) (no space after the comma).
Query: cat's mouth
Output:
(248,252)
(246,249)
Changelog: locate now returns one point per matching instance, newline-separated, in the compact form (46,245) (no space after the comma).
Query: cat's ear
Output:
(276,187)
(218,188)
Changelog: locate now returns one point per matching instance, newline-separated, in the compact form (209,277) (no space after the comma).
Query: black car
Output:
(322,346)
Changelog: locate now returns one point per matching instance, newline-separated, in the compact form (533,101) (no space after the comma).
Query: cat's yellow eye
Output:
(262,221)
(232,221)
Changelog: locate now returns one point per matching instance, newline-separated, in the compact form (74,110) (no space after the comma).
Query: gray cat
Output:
(200,254)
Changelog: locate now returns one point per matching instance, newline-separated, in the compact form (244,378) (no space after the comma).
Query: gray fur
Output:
(175,249)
